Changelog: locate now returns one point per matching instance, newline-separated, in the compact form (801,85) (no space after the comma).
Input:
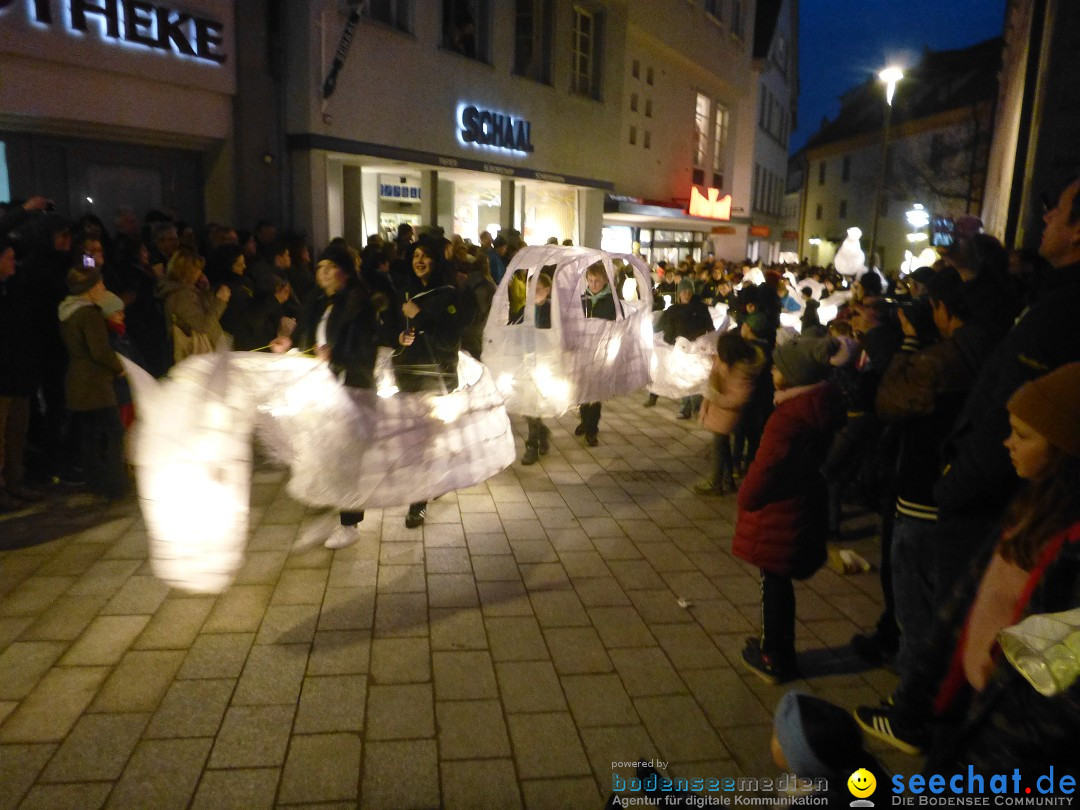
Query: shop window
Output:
(755,191)
(533,27)
(648,140)
(699,177)
(633,102)
(843,209)
(648,108)
(395,13)
(718,180)
(586,47)
(845,169)
(819,211)
(635,69)
(702,108)
(720,136)
(715,9)
(466,27)
(633,136)
(648,76)
(821,173)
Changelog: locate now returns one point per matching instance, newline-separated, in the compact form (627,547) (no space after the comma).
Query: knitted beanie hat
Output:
(803,361)
(1051,405)
(758,324)
(685,284)
(793,736)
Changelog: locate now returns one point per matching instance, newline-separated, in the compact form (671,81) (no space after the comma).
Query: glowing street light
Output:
(890,76)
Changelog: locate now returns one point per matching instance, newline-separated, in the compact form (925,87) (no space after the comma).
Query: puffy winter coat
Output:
(92,363)
(728,392)
(783,502)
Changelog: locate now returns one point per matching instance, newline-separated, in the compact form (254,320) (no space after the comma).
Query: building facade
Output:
(114,104)
(938,143)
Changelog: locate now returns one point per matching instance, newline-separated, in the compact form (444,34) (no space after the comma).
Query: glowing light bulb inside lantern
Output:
(614,344)
(448,407)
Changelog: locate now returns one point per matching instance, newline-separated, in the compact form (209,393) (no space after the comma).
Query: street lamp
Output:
(890,75)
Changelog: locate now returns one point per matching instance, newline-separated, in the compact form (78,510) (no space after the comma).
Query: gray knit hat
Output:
(803,361)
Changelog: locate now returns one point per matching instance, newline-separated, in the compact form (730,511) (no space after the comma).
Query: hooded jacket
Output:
(92,363)
(783,517)
(729,391)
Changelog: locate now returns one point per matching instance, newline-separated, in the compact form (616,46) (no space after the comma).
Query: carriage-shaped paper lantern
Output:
(544,372)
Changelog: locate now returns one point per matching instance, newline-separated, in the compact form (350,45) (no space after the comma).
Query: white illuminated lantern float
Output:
(850,259)
(545,372)
(682,369)
(346,448)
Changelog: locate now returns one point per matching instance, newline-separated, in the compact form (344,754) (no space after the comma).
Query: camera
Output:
(88,260)
(942,231)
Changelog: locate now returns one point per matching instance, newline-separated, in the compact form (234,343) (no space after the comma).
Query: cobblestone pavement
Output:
(504,655)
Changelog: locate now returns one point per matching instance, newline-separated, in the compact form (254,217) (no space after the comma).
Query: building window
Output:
(720,136)
(715,8)
(845,169)
(633,136)
(737,18)
(635,69)
(633,102)
(821,173)
(701,129)
(699,177)
(843,209)
(585,73)
(648,108)
(755,193)
(648,139)
(533,27)
(648,75)
(466,25)
(819,211)
(396,13)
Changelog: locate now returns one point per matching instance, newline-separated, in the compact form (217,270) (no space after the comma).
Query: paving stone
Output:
(557,794)
(301,586)
(401,614)
(679,728)
(472,504)
(34,595)
(252,737)
(64,620)
(533,551)
(495,567)
(97,748)
(451,590)
(636,574)
(400,774)
(400,660)
(239,610)
(321,767)
(688,646)
(72,560)
(288,624)
(252,789)
(339,652)
(348,609)
(504,598)
(51,709)
(661,607)
(583,564)
(400,712)
(139,595)
(547,745)
(620,627)
(444,535)
(19,767)
(273,674)
(691,585)
(161,775)
(570,539)
(87,796)
(487,784)
(139,681)
(463,675)
(600,591)
(559,609)
(175,625)
(217,655)
(457,629)
(332,703)
(575,650)
(12,627)
(481,523)
(530,686)
(105,640)
(192,709)
(23,664)
(646,672)
(448,561)
(515,638)
(472,729)
(260,568)
(353,572)
(598,700)
(410,552)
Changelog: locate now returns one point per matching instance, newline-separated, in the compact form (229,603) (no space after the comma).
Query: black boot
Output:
(417,513)
(532,444)
(651,401)
(544,444)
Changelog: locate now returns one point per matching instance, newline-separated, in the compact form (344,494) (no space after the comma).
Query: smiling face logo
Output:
(862,783)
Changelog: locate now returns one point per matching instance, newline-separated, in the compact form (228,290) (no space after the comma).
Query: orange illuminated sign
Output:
(712,206)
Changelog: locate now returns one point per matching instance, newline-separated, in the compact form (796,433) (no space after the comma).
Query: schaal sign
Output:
(495,129)
(136,22)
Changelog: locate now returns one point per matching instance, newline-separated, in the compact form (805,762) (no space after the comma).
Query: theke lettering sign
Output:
(134,23)
(488,128)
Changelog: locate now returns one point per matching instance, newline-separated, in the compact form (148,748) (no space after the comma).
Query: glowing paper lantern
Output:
(850,259)
(682,369)
(1045,649)
(544,372)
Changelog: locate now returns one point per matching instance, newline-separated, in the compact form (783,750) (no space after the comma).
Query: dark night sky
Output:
(841,42)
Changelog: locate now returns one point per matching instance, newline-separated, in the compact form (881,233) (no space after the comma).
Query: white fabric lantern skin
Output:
(545,372)
(850,259)
(1045,649)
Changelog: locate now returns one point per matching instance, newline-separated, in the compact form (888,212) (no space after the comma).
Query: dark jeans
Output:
(777,616)
(913,586)
(14,417)
(101,435)
(351,518)
(590,417)
(746,436)
(844,462)
(723,466)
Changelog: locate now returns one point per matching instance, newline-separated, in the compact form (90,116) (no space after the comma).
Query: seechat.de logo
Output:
(862,784)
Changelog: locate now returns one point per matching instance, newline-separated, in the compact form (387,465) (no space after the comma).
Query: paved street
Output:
(504,655)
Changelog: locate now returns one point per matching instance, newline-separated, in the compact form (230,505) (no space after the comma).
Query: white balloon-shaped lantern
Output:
(850,259)
(544,372)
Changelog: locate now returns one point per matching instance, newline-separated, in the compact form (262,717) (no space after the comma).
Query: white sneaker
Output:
(343,536)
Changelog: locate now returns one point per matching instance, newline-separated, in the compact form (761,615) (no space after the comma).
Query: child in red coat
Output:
(782,522)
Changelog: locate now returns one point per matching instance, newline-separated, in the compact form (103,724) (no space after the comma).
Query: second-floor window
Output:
(533,26)
(701,129)
(843,209)
(845,169)
(720,136)
(466,27)
(737,17)
(821,173)
(585,71)
(396,13)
